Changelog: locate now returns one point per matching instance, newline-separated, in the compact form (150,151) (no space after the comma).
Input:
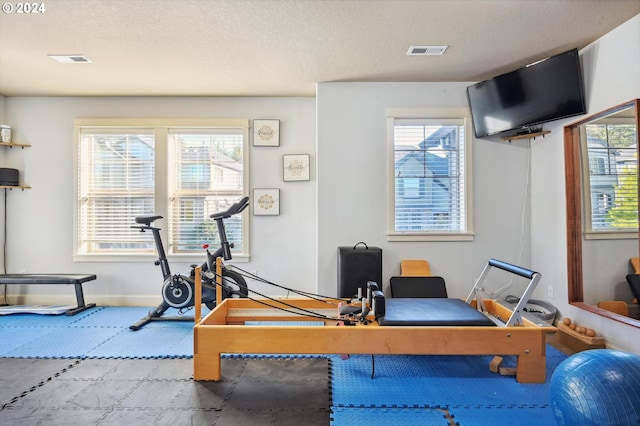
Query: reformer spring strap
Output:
(315,296)
(295,310)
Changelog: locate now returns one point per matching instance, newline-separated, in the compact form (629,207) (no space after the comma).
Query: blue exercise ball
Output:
(597,387)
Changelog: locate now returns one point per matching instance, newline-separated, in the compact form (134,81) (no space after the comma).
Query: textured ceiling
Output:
(283,47)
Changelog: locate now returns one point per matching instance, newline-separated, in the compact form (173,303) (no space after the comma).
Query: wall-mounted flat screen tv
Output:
(521,100)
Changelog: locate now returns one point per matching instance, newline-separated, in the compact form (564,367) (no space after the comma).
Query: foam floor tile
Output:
(35,320)
(115,316)
(12,338)
(185,323)
(388,417)
(144,343)
(502,416)
(407,381)
(63,343)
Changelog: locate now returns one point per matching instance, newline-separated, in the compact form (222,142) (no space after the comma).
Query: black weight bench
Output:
(75,279)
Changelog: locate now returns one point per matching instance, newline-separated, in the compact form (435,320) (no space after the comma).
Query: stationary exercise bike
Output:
(178,290)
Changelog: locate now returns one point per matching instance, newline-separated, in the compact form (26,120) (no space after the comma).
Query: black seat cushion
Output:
(634,283)
(421,287)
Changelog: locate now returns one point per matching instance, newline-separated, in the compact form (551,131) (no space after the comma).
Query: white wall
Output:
(40,234)
(2,164)
(350,180)
(352,185)
(611,68)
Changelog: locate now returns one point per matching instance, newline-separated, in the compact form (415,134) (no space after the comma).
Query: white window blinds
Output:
(181,171)
(429,176)
(116,183)
(612,177)
(206,176)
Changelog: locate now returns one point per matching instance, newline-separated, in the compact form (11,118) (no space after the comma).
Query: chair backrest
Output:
(634,283)
(408,287)
(635,264)
(414,268)
(617,306)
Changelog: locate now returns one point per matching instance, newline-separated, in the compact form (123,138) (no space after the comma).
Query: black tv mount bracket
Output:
(526,130)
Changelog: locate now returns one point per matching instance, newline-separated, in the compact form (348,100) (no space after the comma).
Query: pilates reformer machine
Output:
(374,325)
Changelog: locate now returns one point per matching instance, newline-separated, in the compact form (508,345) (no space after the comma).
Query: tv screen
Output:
(520,100)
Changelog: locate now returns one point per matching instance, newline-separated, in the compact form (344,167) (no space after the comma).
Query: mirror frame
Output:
(573,179)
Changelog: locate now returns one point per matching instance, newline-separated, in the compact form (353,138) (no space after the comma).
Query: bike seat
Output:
(147,220)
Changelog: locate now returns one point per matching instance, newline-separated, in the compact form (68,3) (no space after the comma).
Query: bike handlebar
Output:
(233,210)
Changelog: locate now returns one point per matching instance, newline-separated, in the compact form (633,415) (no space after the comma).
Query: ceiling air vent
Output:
(71,59)
(427,50)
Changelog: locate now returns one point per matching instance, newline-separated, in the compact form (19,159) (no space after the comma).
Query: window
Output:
(207,177)
(611,205)
(176,170)
(429,179)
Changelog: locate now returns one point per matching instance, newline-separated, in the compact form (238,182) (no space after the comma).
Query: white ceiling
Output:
(283,47)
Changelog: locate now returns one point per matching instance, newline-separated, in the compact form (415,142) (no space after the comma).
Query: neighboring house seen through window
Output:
(181,172)
(612,202)
(429,185)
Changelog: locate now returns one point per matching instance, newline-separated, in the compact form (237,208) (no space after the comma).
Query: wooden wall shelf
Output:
(526,136)
(18,145)
(11,145)
(22,187)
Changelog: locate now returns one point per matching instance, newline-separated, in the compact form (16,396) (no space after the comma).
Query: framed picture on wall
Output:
(266,202)
(296,167)
(266,132)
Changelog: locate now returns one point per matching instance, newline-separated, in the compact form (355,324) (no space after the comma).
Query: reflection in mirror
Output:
(601,166)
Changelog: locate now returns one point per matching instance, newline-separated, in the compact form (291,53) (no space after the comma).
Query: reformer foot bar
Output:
(71,279)
(516,316)
(224,331)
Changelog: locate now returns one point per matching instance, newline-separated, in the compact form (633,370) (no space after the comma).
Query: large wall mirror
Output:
(601,171)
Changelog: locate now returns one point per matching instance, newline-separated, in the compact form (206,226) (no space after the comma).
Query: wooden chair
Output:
(617,306)
(414,268)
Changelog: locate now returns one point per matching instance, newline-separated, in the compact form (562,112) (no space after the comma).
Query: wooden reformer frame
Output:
(223,331)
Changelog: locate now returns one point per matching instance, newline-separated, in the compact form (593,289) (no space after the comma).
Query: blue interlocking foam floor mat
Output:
(425,390)
(95,333)
(436,389)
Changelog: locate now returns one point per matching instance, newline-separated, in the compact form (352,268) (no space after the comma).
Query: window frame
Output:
(587,165)
(161,129)
(461,115)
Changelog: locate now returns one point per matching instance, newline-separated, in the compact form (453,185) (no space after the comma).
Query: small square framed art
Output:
(266,202)
(295,167)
